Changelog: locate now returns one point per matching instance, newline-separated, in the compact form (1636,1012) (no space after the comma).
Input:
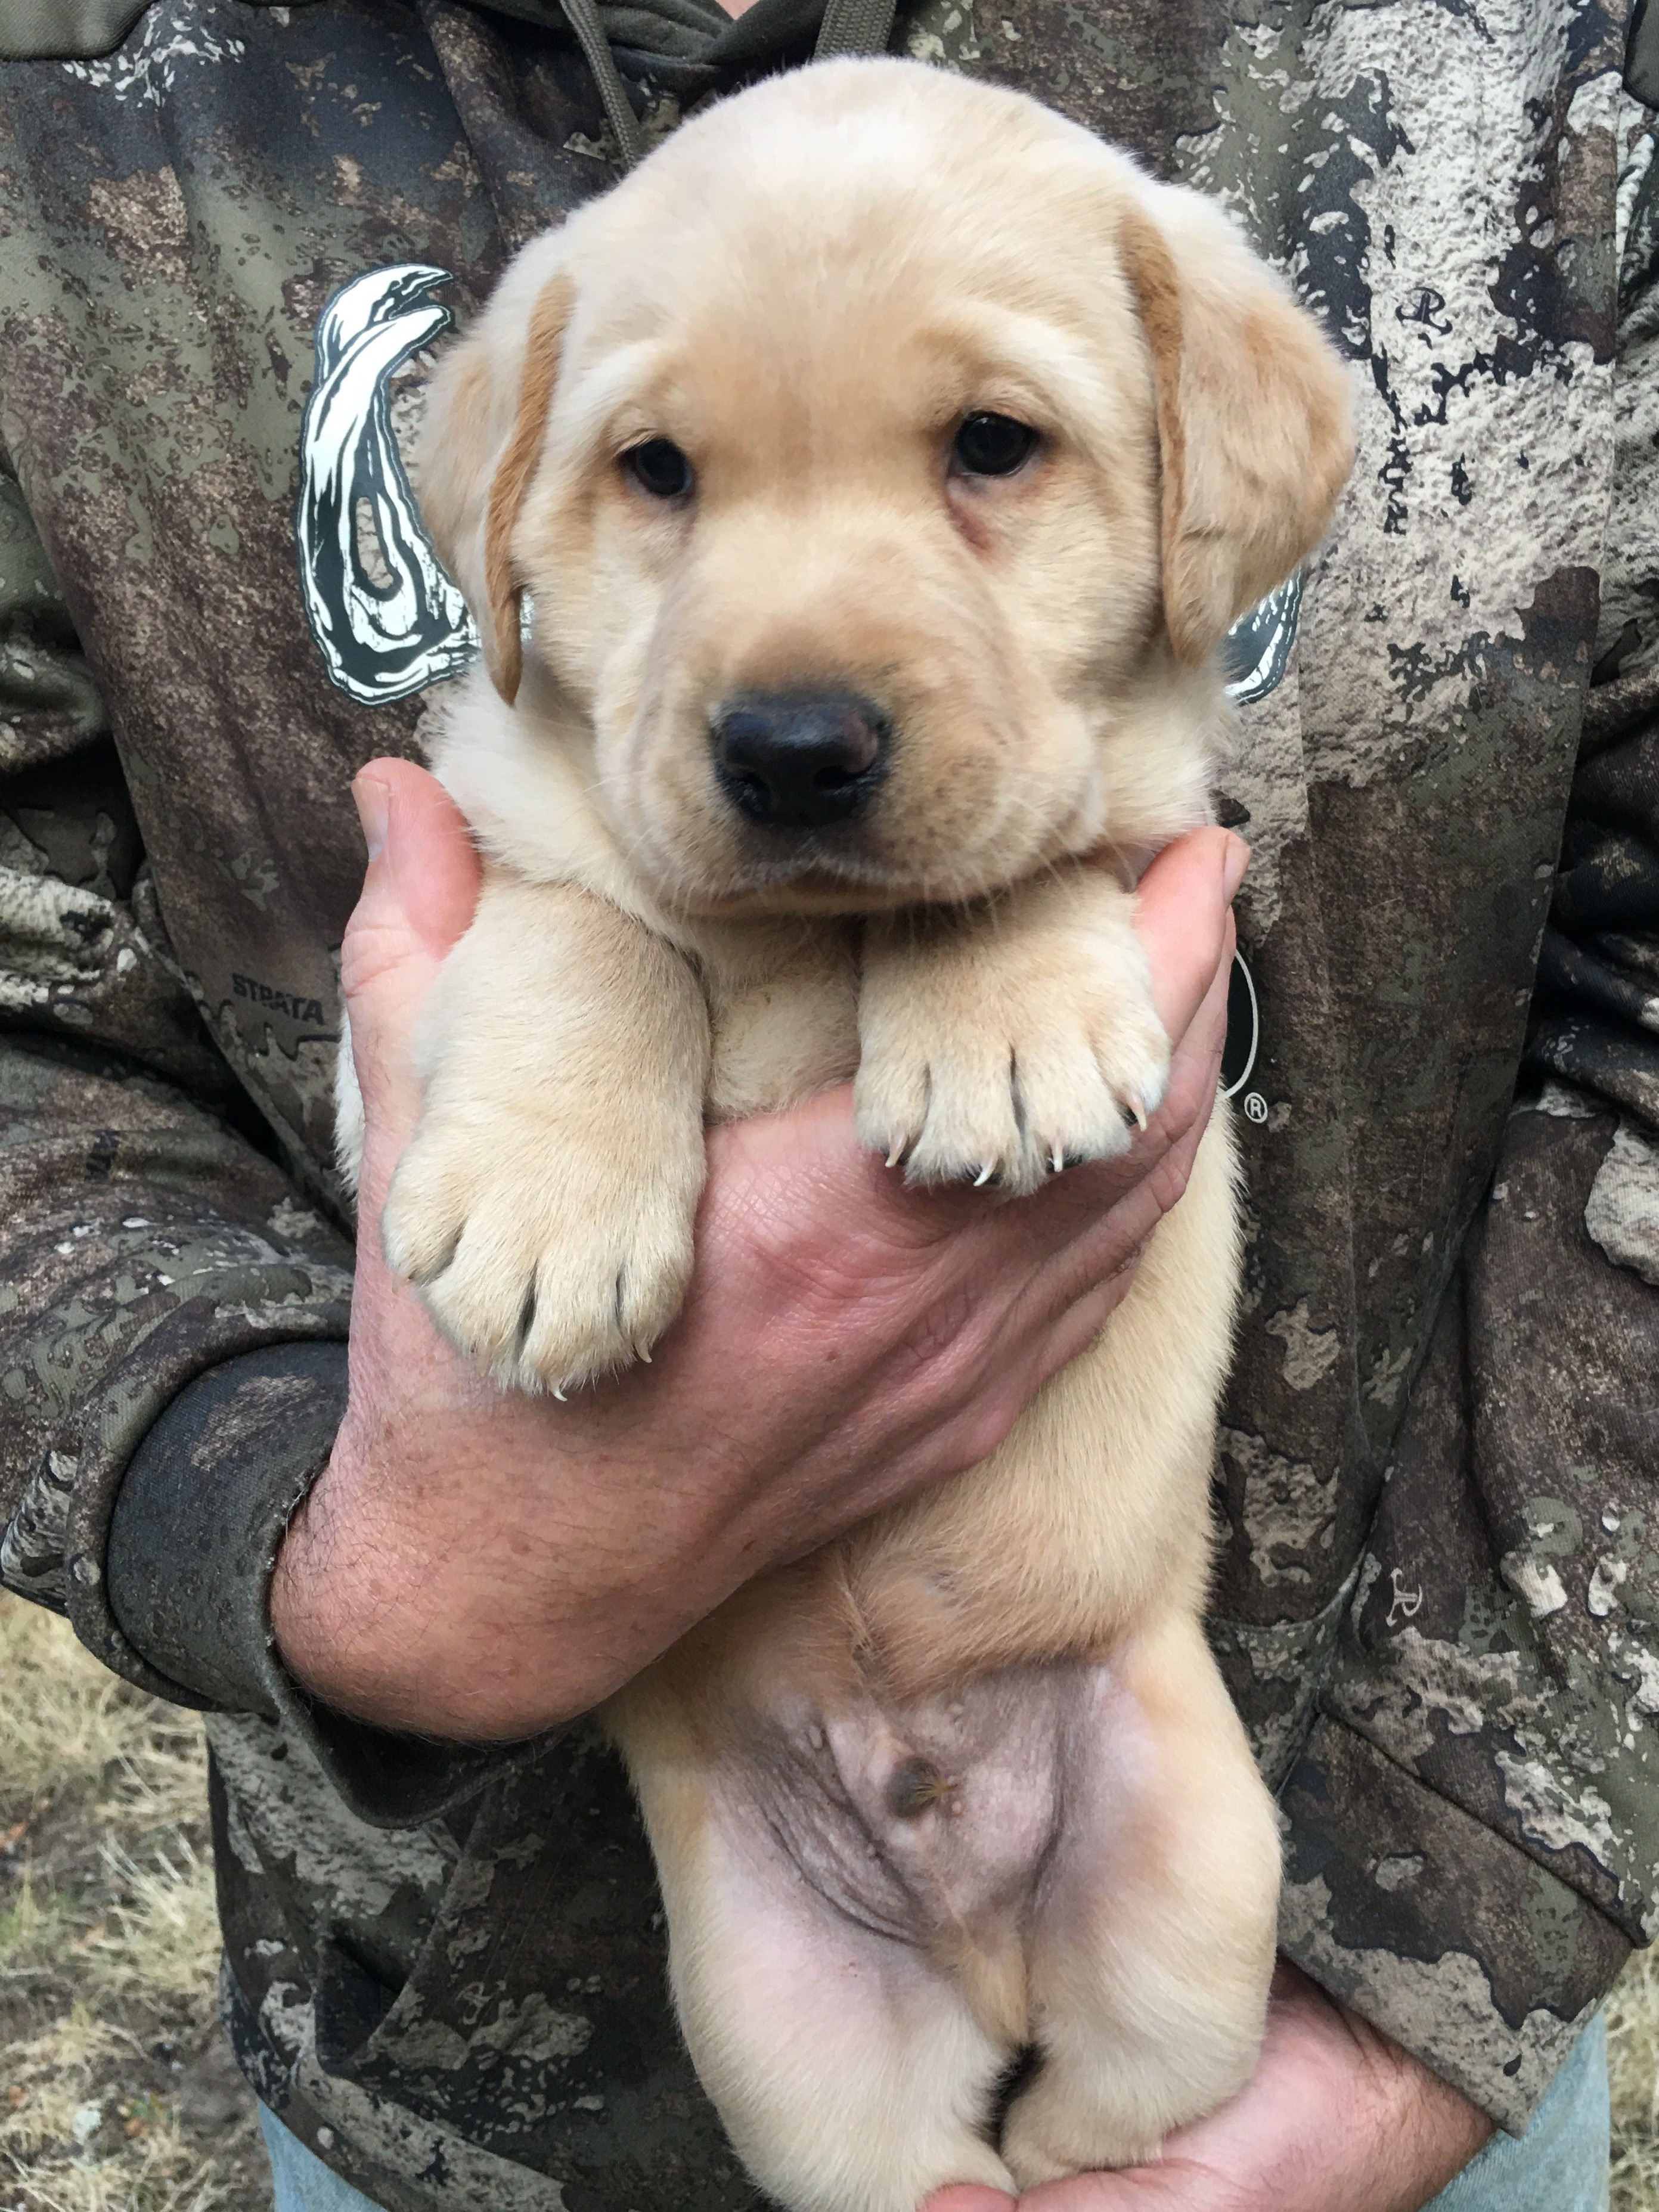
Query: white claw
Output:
(640,1352)
(559,1394)
(897,1152)
(1138,1114)
(1057,1161)
(984,1175)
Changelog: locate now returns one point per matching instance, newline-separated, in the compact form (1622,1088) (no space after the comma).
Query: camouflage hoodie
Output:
(1439,1597)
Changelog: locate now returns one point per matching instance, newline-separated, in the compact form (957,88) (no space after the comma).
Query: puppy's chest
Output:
(783,1000)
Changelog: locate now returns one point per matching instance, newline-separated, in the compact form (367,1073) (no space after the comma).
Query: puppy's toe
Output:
(890,1101)
(482,1297)
(595,1311)
(450,1231)
(968,1128)
(543,1290)
(1069,1110)
(421,1225)
(1084,1085)
(1131,1052)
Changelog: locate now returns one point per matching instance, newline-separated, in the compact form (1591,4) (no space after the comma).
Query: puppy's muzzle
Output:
(798,760)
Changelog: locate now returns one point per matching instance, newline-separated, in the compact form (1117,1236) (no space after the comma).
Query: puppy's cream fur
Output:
(968,1780)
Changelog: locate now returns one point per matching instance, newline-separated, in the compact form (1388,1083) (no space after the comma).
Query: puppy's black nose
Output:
(799,760)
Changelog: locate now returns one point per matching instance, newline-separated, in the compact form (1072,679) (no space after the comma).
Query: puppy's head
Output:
(882,457)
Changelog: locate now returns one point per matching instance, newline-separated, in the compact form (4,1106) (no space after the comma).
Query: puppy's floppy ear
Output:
(481,439)
(1253,413)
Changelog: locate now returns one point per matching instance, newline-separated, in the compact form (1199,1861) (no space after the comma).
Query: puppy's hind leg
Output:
(850,2073)
(1151,1958)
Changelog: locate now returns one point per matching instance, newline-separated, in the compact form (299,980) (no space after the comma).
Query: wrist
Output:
(1414,2132)
(1440,2122)
(338,1611)
(409,1600)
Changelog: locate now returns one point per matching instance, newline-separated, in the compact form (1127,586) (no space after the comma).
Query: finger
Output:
(1066,1307)
(417,898)
(423,870)
(1075,1329)
(969,2198)
(1050,1311)
(1074,1219)
(1132,2189)
(1181,908)
(1184,920)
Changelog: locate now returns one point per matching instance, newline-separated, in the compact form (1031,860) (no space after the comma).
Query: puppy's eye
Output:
(660,467)
(993,446)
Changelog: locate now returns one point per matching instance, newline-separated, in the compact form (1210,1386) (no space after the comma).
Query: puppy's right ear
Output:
(481,441)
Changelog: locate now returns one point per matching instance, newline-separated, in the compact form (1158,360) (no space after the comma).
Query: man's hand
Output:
(479,1565)
(1336,2118)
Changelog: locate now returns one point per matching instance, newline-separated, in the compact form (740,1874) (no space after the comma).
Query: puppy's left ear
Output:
(1255,435)
(482,439)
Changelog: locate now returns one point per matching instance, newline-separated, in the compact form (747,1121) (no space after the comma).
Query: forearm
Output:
(185,1366)
(143,1245)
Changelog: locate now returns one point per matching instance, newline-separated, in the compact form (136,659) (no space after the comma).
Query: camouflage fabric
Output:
(1438,1601)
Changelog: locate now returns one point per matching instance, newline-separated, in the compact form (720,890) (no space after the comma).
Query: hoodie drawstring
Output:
(849,26)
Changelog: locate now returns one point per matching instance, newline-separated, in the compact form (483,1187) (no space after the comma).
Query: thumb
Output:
(417,899)
(1181,917)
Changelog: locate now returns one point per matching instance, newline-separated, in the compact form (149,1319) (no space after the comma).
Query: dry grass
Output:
(116,2092)
(1633,2069)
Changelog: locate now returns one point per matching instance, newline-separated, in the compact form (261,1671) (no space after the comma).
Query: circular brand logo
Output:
(1243,1034)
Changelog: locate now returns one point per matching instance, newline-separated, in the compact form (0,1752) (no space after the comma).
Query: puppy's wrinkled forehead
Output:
(802,257)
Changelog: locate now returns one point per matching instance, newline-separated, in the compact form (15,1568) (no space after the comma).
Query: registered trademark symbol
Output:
(1255,1106)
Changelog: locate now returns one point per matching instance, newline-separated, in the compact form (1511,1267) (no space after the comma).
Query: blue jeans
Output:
(300,2180)
(1560,2164)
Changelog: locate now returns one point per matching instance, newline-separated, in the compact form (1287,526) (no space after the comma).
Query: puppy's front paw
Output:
(1010,1064)
(547,1258)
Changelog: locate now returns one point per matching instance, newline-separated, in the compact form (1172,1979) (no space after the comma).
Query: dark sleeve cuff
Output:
(1435,1929)
(196,1526)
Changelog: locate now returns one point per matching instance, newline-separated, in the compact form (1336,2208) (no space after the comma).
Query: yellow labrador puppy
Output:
(851,503)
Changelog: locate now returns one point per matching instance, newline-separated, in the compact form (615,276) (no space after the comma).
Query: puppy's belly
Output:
(875,1905)
(899,1843)
(928,1824)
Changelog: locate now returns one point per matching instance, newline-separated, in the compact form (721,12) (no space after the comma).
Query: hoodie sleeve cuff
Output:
(199,1519)
(1432,1927)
